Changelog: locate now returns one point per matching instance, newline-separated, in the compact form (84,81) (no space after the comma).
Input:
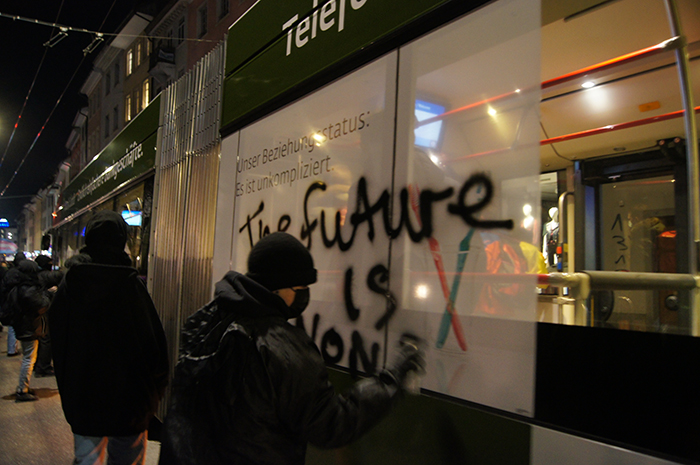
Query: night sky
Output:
(20,58)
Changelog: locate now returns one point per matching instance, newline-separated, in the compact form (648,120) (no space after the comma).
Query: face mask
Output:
(301,300)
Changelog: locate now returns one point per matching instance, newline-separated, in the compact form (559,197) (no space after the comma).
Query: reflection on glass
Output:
(132,217)
(638,234)
(467,155)
(428,134)
(130,206)
(421,291)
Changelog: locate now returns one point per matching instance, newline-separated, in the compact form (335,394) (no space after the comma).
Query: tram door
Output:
(640,226)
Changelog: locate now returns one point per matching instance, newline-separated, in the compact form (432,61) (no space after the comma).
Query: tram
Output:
(514,182)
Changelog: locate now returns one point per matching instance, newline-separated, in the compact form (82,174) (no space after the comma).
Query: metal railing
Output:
(581,283)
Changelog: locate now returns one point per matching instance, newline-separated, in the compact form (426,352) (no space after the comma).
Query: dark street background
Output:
(21,52)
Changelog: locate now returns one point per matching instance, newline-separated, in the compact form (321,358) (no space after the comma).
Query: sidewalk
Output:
(36,433)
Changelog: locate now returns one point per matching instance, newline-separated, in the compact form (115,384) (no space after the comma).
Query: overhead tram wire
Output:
(54,107)
(88,31)
(12,197)
(31,87)
(70,81)
(65,29)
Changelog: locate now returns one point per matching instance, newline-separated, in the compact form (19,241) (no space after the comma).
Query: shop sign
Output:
(131,154)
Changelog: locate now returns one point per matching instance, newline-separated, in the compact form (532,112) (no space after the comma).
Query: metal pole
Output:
(618,61)
(692,148)
(640,281)
(616,127)
(609,280)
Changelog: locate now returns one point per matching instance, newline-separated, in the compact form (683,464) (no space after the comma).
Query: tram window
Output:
(461,120)
(638,234)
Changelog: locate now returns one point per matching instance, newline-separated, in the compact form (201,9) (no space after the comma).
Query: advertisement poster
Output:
(413,181)
(300,170)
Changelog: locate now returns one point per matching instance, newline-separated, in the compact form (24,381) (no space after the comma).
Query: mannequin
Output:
(551,237)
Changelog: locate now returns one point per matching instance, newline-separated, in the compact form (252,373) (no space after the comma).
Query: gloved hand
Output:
(409,359)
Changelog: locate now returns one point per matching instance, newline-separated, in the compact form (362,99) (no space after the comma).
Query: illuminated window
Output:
(129,62)
(127,108)
(138,101)
(138,54)
(145,93)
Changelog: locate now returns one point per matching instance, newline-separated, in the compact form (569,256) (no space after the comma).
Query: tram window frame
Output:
(595,173)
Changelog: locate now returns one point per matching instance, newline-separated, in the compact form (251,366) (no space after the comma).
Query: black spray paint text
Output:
(332,345)
(365,212)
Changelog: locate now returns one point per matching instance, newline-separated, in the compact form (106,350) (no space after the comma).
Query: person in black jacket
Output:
(24,293)
(49,279)
(251,388)
(109,348)
(12,342)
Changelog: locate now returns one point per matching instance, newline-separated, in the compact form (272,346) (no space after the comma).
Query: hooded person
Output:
(28,302)
(109,348)
(18,258)
(49,279)
(251,388)
(9,279)
(44,262)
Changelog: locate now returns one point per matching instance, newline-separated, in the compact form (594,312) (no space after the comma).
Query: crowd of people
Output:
(249,387)
(26,290)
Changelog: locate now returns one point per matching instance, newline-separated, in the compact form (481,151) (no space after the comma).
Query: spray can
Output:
(414,378)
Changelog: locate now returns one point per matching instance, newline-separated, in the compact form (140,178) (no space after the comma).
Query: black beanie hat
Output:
(279,261)
(106,230)
(44,262)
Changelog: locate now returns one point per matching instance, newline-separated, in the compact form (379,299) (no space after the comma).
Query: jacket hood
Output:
(105,238)
(26,272)
(238,294)
(107,229)
(91,282)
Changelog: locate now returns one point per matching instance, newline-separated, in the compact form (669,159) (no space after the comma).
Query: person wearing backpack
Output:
(5,269)
(28,304)
(252,389)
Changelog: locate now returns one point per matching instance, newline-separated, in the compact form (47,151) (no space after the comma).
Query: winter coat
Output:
(33,302)
(48,279)
(250,388)
(28,301)
(109,350)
